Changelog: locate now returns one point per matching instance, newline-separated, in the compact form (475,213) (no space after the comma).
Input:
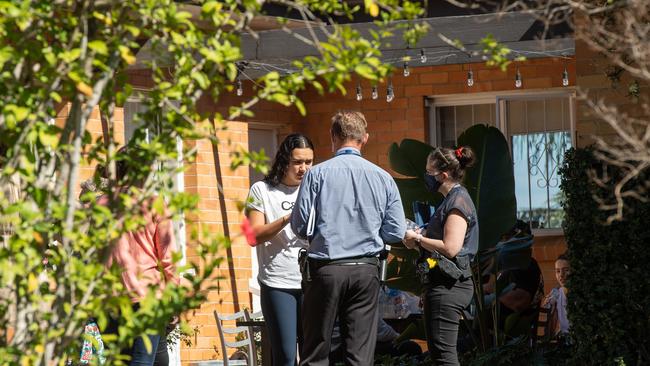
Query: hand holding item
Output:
(412,238)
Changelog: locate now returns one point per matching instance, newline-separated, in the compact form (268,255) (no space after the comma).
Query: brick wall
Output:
(592,78)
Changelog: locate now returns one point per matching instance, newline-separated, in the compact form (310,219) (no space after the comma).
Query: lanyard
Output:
(348,152)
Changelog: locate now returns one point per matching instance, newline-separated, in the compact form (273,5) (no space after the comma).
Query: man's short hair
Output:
(349,125)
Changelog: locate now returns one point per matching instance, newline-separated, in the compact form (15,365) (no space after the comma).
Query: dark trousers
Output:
(349,291)
(444,301)
(281,309)
(138,351)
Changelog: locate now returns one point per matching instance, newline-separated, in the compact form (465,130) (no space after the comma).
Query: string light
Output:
(390,94)
(565,77)
(470,77)
(518,82)
(240,88)
(438,56)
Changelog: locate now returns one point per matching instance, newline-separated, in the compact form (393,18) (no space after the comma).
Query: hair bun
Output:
(465,156)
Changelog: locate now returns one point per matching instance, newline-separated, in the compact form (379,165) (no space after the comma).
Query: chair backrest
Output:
(245,332)
(422,212)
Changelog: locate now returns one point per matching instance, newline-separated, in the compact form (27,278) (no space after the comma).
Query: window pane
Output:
(454,120)
(484,114)
(538,151)
(447,128)
(464,119)
(516,113)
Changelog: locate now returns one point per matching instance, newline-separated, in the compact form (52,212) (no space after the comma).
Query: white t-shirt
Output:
(278,257)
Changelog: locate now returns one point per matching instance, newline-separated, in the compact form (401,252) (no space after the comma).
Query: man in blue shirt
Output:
(348,208)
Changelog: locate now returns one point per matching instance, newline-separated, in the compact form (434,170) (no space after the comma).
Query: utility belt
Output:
(308,265)
(429,264)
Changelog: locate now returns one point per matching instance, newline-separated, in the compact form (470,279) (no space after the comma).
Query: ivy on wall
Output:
(609,288)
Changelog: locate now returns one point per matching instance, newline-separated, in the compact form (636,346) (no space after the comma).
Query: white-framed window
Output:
(260,136)
(539,127)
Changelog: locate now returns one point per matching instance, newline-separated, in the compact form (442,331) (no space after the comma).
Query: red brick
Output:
(434,78)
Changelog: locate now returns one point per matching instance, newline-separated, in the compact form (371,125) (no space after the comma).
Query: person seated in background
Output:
(525,295)
(556,300)
(386,344)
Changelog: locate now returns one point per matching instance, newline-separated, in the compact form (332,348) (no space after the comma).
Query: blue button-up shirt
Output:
(348,207)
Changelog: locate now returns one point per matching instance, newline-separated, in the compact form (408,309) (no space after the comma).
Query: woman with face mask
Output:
(452,232)
(270,204)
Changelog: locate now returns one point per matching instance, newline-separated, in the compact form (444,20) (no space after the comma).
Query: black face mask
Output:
(431,183)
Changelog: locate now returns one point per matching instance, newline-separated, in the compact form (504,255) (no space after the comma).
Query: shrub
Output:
(609,290)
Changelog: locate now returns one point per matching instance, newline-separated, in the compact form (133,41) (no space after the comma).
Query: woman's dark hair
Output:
(122,165)
(283,156)
(453,161)
(563,257)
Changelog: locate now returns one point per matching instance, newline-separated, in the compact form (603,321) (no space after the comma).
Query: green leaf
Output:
(99,47)
(409,158)
(365,71)
(301,107)
(48,139)
(201,79)
(490,182)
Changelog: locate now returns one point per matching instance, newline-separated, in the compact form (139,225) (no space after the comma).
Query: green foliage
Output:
(490,182)
(519,352)
(609,293)
(77,55)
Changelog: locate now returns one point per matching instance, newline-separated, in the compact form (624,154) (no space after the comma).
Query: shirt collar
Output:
(347,151)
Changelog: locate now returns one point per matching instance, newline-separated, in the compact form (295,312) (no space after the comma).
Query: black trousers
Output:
(444,301)
(351,292)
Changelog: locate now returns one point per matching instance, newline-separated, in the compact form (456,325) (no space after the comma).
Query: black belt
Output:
(318,263)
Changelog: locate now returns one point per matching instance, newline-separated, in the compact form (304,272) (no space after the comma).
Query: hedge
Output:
(609,288)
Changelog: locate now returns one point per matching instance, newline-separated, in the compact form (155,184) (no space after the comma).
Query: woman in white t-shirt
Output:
(270,203)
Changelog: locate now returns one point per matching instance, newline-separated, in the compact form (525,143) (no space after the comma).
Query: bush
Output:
(609,290)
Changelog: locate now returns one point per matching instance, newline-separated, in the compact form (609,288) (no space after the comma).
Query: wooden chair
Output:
(247,356)
(541,332)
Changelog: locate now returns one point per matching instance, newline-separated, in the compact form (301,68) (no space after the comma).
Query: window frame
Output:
(499,99)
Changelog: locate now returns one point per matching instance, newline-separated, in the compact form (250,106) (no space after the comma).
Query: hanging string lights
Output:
(518,82)
(470,77)
(390,94)
(240,87)
(439,56)
(565,77)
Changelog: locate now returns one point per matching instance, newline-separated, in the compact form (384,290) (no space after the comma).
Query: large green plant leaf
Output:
(409,158)
(490,183)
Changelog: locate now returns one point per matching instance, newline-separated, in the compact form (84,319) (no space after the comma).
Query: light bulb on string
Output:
(374,94)
(407,71)
(518,82)
(240,88)
(423,56)
(359,94)
(565,77)
(390,94)
(470,77)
